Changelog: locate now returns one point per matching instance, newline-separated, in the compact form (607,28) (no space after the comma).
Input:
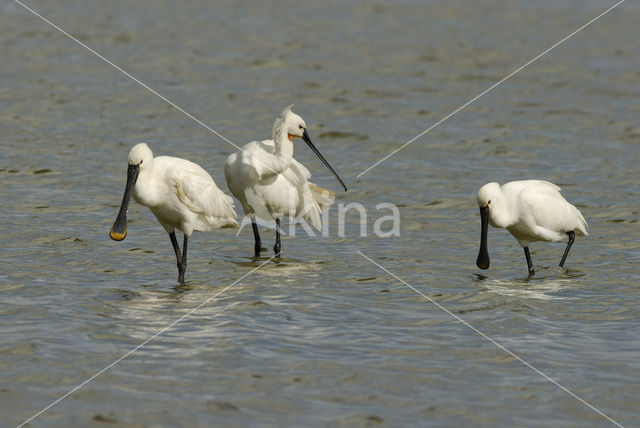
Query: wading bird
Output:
(179,193)
(531,210)
(271,184)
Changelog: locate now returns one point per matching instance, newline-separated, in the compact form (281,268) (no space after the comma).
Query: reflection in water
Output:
(544,288)
(182,288)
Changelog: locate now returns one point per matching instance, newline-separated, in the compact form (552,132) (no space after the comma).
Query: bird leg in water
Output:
(176,248)
(572,237)
(529,262)
(276,248)
(257,247)
(183,266)
(181,258)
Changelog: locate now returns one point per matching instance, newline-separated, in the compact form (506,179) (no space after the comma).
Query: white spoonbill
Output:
(179,193)
(531,210)
(270,183)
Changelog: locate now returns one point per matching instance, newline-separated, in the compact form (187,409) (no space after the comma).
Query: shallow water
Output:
(324,337)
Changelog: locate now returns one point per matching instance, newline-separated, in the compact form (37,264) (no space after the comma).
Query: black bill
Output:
(119,229)
(483,256)
(307,140)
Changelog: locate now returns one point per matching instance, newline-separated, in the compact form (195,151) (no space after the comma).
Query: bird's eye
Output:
(300,126)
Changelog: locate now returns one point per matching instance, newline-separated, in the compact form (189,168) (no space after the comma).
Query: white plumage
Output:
(270,184)
(270,196)
(180,193)
(531,210)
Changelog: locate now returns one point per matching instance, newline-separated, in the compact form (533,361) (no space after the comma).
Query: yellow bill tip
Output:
(483,265)
(117,236)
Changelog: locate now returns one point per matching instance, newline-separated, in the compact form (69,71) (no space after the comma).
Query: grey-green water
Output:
(324,337)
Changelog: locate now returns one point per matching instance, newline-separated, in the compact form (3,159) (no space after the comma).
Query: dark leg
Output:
(529,262)
(257,247)
(183,265)
(276,248)
(176,248)
(572,237)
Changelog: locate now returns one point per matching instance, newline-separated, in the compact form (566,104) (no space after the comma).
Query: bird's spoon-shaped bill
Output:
(483,255)
(307,140)
(119,229)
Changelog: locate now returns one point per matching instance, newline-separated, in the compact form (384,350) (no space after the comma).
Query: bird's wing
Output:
(543,183)
(298,175)
(323,197)
(515,187)
(196,189)
(544,207)
(256,156)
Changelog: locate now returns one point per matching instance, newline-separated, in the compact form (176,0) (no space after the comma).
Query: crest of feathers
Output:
(279,123)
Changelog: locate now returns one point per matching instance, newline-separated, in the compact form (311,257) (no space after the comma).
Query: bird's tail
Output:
(581,228)
(323,197)
(220,214)
(315,200)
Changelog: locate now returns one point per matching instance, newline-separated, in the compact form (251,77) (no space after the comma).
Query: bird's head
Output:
(140,155)
(294,124)
(295,127)
(488,194)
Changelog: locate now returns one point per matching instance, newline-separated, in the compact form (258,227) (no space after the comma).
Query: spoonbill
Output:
(531,210)
(270,183)
(179,193)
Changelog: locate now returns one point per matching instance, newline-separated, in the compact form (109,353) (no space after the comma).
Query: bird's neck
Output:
(144,191)
(503,214)
(283,152)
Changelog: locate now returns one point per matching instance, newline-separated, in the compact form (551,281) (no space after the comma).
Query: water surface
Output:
(324,337)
